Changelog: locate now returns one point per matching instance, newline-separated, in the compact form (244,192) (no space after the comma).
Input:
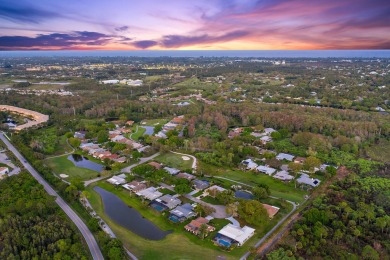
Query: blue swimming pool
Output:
(224,243)
(174,219)
(157,207)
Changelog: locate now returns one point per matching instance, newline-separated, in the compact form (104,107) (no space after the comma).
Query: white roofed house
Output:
(250,165)
(150,193)
(266,170)
(172,171)
(269,131)
(305,179)
(116,180)
(285,156)
(266,139)
(3,171)
(231,234)
(283,175)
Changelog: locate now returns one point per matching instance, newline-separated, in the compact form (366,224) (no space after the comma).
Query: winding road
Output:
(89,238)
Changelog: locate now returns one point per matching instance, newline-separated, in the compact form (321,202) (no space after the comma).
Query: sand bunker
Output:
(144,123)
(186,158)
(64,176)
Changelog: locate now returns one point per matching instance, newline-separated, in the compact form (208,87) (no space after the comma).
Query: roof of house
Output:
(285,156)
(135,185)
(218,188)
(185,175)
(195,225)
(172,171)
(266,170)
(304,178)
(237,233)
(201,184)
(155,165)
(271,210)
(300,159)
(116,180)
(184,210)
(4,170)
(150,193)
(283,175)
(169,201)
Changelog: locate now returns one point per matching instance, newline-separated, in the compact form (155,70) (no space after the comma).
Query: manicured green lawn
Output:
(61,165)
(174,160)
(177,245)
(137,133)
(153,122)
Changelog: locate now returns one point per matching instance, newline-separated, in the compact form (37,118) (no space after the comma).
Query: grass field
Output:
(174,160)
(153,122)
(61,165)
(137,133)
(177,245)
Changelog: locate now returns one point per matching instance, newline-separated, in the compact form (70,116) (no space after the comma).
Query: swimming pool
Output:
(157,207)
(224,243)
(174,219)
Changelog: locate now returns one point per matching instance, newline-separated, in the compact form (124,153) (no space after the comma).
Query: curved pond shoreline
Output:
(83,162)
(128,217)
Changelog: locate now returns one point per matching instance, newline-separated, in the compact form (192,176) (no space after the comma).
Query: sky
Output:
(194,24)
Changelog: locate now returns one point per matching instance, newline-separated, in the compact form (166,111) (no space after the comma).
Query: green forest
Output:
(32,226)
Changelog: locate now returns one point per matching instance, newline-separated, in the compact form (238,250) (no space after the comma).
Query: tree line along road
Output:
(89,238)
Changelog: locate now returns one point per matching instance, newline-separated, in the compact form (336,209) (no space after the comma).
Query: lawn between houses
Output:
(278,188)
(61,165)
(178,245)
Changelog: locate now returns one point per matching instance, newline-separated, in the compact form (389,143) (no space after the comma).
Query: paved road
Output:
(89,238)
(141,161)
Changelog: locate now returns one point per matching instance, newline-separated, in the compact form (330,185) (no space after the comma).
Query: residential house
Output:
(283,175)
(285,156)
(156,165)
(200,184)
(300,160)
(231,234)
(305,179)
(266,139)
(271,210)
(194,226)
(116,180)
(135,186)
(267,170)
(4,170)
(165,202)
(182,213)
(150,193)
(184,175)
(79,135)
(215,189)
(129,123)
(269,131)
(120,160)
(250,165)
(172,171)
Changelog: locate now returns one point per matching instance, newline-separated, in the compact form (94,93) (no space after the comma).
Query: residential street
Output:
(89,238)
(141,161)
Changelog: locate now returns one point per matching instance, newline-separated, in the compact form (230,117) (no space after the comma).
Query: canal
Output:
(129,217)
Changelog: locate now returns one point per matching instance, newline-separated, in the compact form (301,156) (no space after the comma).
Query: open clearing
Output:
(61,165)
(174,160)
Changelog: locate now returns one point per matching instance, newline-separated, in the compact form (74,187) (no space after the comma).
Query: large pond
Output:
(128,217)
(243,195)
(149,130)
(83,162)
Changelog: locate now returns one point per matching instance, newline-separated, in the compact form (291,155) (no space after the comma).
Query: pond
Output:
(149,130)
(243,195)
(83,162)
(129,217)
